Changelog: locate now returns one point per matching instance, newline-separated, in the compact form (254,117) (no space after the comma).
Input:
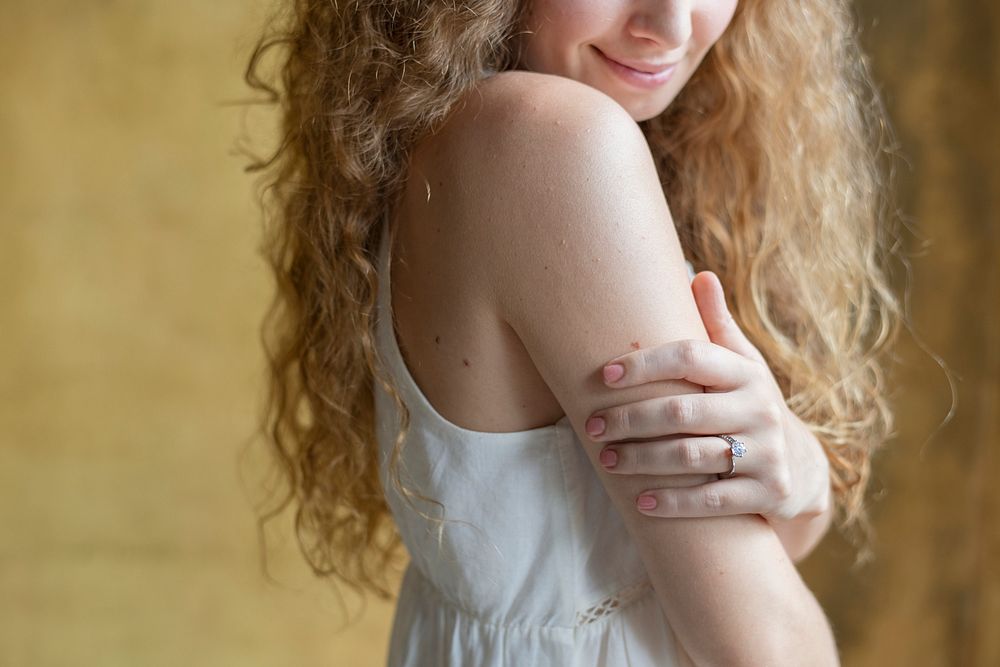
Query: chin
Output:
(645,114)
(641,110)
(640,105)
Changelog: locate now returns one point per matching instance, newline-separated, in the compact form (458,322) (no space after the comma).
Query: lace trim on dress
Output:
(612,603)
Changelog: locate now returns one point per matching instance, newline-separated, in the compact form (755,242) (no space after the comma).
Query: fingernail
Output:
(614,372)
(608,458)
(595,426)
(646,502)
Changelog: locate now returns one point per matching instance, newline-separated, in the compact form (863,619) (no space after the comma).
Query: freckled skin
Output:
(564,38)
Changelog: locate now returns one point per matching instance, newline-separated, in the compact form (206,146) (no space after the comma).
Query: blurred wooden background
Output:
(131,368)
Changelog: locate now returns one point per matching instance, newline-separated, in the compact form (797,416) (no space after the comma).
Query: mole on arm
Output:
(635,345)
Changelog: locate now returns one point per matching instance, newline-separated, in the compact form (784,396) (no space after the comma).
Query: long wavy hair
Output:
(771,159)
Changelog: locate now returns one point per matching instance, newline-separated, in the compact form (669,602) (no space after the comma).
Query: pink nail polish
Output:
(646,502)
(595,426)
(614,372)
(609,458)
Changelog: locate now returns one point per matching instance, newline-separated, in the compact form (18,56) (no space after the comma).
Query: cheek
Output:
(559,29)
(710,20)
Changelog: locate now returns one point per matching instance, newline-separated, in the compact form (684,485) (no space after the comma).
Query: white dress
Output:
(536,569)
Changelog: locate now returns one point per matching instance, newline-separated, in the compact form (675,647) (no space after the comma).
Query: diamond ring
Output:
(738,449)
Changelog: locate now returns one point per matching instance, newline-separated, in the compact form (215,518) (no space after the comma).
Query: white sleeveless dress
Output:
(536,567)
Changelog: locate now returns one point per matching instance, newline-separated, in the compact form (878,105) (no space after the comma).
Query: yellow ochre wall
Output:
(130,368)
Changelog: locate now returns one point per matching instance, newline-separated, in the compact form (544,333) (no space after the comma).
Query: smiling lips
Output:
(640,66)
(640,74)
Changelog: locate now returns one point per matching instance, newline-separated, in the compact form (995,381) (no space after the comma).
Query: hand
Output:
(784,474)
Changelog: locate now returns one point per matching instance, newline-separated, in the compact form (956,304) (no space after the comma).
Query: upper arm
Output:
(573,232)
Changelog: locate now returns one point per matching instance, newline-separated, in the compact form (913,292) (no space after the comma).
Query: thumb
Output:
(722,329)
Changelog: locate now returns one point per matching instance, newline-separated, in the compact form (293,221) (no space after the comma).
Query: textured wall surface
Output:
(131,370)
(131,294)
(933,595)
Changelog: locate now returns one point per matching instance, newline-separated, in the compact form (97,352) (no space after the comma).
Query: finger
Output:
(674,456)
(739,495)
(722,329)
(694,414)
(697,361)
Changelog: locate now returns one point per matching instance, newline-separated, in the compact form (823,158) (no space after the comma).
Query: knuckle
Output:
(640,365)
(639,458)
(785,515)
(688,352)
(672,503)
(689,454)
(771,414)
(622,421)
(713,500)
(769,456)
(781,485)
(759,370)
(680,411)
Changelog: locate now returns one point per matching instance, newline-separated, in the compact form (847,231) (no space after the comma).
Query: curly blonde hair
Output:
(769,158)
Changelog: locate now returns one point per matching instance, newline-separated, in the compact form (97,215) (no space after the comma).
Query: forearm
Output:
(738,604)
(751,609)
(810,639)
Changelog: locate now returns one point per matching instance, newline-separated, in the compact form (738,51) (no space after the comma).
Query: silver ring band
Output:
(738,449)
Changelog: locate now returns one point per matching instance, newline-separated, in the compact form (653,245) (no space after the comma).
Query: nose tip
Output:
(669,25)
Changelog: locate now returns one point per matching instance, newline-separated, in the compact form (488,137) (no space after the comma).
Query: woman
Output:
(510,167)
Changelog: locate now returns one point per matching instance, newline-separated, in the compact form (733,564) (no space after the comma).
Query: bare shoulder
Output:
(513,153)
(545,161)
(529,120)
(533,96)
(543,158)
(557,211)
